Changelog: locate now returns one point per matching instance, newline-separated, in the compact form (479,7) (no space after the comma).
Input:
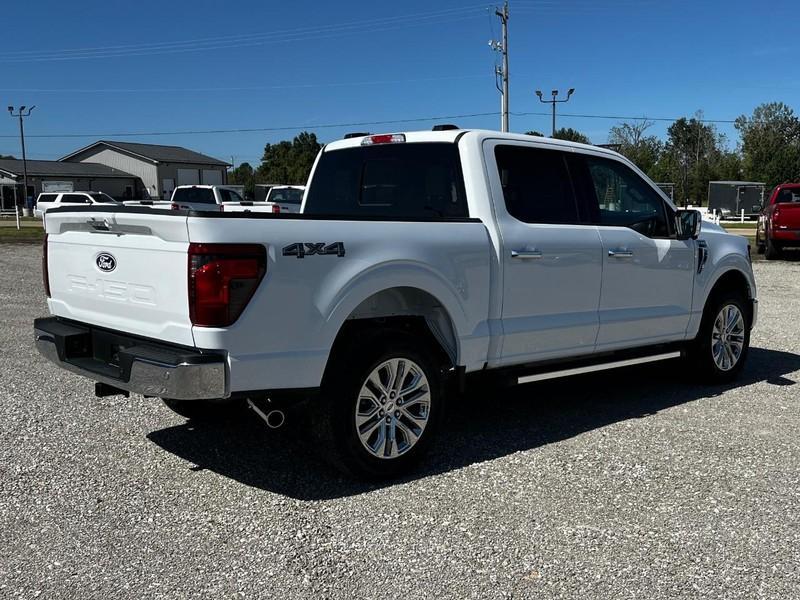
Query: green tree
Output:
(571,135)
(695,153)
(536,133)
(770,140)
(642,150)
(289,162)
(244,175)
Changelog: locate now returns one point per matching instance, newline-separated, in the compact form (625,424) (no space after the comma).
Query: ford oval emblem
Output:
(106,262)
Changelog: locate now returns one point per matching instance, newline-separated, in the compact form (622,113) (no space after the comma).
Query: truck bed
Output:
(318,271)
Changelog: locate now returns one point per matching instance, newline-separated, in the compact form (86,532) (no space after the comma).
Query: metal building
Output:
(53,175)
(160,168)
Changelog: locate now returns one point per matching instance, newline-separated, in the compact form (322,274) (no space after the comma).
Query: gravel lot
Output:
(633,484)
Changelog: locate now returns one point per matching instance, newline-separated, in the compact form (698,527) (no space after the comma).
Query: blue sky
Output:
(174,66)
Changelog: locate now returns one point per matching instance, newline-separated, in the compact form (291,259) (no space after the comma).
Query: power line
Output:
(352,124)
(257,39)
(255,129)
(625,118)
(240,88)
(259,35)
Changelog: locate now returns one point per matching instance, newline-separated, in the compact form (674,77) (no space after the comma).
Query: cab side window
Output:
(623,199)
(536,185)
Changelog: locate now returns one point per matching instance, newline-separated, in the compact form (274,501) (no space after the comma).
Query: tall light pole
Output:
(555,101)
(22,113)
(502,71)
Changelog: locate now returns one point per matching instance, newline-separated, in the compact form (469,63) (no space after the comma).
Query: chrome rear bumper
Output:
(132,364)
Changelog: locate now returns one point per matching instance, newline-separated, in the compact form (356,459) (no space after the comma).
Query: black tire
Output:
(700,354)
(201,410)
(760,247)
(773,250)
(334,416)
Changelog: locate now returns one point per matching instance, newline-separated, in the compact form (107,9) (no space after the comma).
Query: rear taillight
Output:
(222,279)
(174,206)
(45,271)
(276,208)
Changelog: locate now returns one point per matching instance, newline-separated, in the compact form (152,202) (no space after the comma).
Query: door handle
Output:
(620,253)
(526,254)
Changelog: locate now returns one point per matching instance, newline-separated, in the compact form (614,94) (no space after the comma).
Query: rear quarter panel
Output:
(283,338)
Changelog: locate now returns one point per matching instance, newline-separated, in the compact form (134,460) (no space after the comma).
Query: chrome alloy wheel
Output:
(727,337)
(393,408)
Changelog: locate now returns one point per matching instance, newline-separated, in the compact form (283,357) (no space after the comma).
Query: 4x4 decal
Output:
(303,249)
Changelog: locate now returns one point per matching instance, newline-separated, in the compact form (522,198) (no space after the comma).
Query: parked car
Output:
(280,199)
(47,201)
(779,222)
(422,260)
(203,197)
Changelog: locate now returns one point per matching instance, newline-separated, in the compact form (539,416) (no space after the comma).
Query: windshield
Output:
(103,198)
(285,195)
(193,195)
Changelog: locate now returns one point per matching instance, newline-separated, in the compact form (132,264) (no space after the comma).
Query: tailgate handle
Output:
(103,225)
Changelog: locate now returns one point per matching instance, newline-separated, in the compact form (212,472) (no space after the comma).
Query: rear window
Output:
(789,195)
(285,196)
(415,181)
(229,196)
(102,198)
(194,195)
(74,199)
(47,198)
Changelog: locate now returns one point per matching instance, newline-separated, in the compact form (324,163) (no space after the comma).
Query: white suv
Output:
(46,200)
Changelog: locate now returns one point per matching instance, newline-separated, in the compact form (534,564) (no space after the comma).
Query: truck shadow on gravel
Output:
(481,426)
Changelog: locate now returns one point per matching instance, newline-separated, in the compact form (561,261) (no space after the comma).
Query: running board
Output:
(599,367)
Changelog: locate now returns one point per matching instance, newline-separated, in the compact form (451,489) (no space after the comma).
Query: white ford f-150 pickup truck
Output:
(420,259)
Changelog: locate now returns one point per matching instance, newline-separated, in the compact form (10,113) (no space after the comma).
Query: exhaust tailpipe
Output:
(274,418)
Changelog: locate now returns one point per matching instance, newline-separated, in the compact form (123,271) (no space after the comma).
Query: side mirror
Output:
(688,223)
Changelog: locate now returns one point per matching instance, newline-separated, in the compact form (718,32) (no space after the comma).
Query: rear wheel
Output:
(380,406)
(760,247)
(719,351)
(773,250)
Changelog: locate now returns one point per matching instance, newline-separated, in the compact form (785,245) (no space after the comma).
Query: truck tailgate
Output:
(787,215)
(125,270)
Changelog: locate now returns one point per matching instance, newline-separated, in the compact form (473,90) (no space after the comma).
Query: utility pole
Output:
(22,113)
(502,71)
(555,101)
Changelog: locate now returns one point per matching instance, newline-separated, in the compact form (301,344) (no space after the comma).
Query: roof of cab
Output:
(454,135)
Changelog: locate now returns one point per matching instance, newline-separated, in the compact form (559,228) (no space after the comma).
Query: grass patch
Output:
(736,225)
(24,235)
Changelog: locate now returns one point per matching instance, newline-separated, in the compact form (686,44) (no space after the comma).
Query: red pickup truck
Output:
(779,222)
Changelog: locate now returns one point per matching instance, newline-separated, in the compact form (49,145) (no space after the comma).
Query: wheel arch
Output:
(731,279)
(406,308)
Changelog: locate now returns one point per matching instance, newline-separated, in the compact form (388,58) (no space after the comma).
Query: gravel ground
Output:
(634,484)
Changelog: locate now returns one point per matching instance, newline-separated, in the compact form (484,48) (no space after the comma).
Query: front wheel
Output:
(378,411)
(719,351)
